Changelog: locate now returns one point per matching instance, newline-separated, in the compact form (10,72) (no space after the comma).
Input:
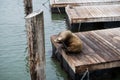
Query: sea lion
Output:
(71,42)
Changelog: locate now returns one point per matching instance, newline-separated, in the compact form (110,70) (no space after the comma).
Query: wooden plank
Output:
(96,13)
(64,3)
(36,45)
(113,38)
(94,47)
(108,45)
(102,44)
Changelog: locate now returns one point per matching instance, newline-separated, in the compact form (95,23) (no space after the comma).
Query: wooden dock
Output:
(101,50)
(93,14)
(35,36)
(61,4)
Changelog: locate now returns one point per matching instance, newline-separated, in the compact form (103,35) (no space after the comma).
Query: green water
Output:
(13,63)
(12,41)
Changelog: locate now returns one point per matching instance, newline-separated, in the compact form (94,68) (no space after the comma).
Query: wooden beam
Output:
(28,6)
(105,65)
(36,44)
(64,3)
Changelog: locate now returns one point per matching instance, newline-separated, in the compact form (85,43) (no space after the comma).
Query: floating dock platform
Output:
(99,14)
(61,4)
(101,50)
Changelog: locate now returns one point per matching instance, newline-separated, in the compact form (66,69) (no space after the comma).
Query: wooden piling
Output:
(36,45)
(28,6)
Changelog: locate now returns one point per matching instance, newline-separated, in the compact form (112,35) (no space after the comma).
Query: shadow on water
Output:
(58,16)
(59,71)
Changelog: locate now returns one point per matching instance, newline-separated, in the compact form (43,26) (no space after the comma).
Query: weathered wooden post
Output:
(28,6)
(36,44)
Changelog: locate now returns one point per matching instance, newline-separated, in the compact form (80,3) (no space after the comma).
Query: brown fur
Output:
(70,41)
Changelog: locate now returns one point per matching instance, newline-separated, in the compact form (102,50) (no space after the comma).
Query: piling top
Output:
(97,13)
(64,3)
(101,50)
(33,14)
